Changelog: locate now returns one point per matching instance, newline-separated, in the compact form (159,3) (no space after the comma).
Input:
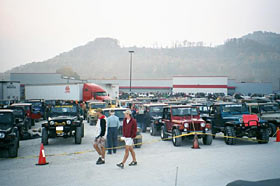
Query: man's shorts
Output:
(101,141)
(128,141)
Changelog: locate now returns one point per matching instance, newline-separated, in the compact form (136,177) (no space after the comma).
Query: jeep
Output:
(9,134)
(64,121)
(119,112)
(234,120)
(92,115)
(152,112)
(269,112)
(184,119)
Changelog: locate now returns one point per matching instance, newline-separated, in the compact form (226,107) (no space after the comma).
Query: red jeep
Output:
(29,112)
(184,119)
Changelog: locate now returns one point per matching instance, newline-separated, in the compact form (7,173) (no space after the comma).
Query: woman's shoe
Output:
(120,165)
(133,163)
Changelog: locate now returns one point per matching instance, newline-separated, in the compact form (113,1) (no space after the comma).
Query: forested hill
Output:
(254,57)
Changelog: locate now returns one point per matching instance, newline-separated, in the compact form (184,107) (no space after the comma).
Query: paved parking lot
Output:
(217,164)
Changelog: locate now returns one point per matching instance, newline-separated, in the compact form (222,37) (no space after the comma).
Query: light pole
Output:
(130,72)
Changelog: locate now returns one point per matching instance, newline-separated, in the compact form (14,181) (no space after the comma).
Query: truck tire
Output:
(153,130)
(136,141)
(230,131)
(78,135)
(272,129)
(163,134)
(45,136)
(263,136)
(13,149)
(178,140)
(83,130)
(207,139)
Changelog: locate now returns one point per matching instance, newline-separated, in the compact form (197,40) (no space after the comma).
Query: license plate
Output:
(59,129)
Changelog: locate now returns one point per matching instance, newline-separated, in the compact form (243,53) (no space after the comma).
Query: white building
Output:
(197,84)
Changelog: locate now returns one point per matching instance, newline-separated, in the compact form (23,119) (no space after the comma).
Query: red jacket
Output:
(129,129)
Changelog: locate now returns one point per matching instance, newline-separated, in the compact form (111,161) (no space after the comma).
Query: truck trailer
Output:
(69,91)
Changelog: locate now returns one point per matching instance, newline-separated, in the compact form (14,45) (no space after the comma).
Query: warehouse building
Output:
(198,84)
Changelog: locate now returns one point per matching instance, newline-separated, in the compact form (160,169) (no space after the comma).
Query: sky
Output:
(37,30)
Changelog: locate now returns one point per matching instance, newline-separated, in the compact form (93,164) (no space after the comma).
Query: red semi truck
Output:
(69,91)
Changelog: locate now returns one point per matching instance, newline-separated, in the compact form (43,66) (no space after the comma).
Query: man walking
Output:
(129,133)
(113,124)
(100,138)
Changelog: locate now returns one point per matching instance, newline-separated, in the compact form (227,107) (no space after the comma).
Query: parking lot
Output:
(217,164)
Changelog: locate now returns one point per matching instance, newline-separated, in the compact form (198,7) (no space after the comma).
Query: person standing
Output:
(100,138)
(113,124)
(129,133)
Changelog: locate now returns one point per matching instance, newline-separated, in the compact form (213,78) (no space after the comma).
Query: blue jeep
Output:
(233,119)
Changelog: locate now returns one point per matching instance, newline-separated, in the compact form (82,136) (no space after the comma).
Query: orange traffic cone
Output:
(277,135)
(42,156)
(195,142)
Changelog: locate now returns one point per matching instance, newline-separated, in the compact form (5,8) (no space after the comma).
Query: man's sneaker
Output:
(120,165)
(100,162)
(133,163)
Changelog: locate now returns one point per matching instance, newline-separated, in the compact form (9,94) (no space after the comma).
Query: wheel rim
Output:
(161,133)
(151,129)
(269,131)
(173,138)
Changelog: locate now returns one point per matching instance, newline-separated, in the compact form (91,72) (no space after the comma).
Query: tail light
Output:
(208,125)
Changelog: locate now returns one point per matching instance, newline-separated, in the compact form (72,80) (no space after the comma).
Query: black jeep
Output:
(63,121)
(234,120)
(9,134)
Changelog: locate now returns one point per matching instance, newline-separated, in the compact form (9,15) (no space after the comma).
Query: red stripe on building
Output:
(200,86)
(139,87)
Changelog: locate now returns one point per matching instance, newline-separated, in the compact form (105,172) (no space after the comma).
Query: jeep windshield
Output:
(96,106)
(63,111)
(156,110)
(191,111)
(269,108)
(235,109)
(6,120)
(18,113)
(118,113)
(203,109)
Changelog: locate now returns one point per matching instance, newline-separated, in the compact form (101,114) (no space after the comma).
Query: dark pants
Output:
(112,139)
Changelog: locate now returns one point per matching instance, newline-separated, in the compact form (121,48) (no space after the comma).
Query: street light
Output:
(130,72)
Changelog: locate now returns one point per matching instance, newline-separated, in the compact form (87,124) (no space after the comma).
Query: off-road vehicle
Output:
(64,121)
(269,112)
(92,115)
(234,120)
(119,112)
(152,113)
(9,134)
(184,119)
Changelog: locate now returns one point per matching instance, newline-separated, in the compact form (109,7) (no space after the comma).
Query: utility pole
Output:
(130,72)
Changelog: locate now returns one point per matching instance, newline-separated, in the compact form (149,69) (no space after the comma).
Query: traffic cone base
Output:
(195,143)
(277,135)
(42,156)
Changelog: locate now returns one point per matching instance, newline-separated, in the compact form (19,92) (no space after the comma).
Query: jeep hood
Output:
(62,118)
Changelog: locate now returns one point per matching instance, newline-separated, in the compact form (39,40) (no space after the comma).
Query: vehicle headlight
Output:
(51,122)
(241,120)
(2,135)
(68,122)
(186,125)
(202,124)
(160,120)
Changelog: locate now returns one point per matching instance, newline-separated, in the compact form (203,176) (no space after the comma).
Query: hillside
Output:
(254,57)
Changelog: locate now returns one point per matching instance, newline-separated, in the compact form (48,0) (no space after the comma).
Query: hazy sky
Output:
(36,30)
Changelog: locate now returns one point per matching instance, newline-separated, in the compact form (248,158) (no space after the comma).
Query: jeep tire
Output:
(13,149)
(163,134)
(177,141)
(207,139)
(136,141)
(83,129)
(263,136)
(78,135)
(153,130)
(45,136)
(230,132)
(272,129)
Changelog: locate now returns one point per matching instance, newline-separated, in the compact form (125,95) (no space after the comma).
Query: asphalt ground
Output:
(214,165)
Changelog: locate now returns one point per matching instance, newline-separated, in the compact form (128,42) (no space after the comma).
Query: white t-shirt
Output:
(127,121)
